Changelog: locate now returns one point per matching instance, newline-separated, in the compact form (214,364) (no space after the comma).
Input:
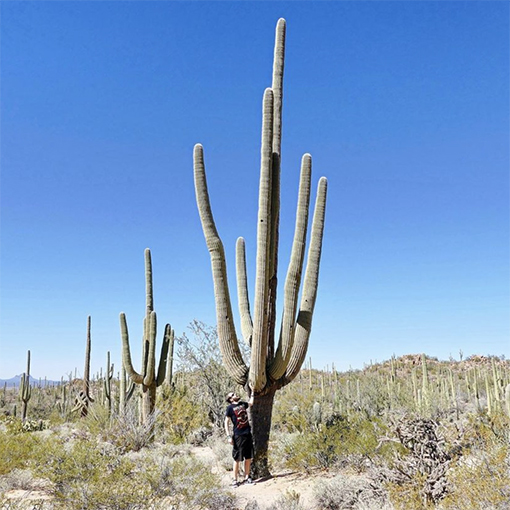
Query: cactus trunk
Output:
(261,415)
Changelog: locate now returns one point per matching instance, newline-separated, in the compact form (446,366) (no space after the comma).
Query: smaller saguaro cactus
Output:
(62,403)
(147,378)
(83,399)
(425,382)
(107,383)
(25,390)
(317,415)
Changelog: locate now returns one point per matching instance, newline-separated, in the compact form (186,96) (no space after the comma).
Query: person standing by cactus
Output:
(241,438)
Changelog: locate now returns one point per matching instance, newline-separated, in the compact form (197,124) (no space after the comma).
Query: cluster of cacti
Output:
(25,389)
(396,386)
(148,378)
(271,366)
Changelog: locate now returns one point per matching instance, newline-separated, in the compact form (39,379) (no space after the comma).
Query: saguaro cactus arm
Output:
(277,88)
(307,305)
(277,84)
(293,280)
(229,346)
(242,292)
(126,351)
(257,376)
(168,340)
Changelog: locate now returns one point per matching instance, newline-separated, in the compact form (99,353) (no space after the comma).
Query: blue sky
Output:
(404,106)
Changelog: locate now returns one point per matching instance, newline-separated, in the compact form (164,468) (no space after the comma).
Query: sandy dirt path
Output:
(264,492)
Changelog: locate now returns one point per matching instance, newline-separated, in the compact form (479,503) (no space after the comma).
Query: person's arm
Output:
(227,428)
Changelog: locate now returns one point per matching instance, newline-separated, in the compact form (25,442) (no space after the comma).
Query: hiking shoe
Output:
(234,483)
(248,480)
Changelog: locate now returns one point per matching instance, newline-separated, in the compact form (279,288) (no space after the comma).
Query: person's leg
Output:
(248,455)
(247,465)
(236,469)
(237,456)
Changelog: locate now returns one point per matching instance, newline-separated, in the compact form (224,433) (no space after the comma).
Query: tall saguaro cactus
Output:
(148,378)
(25,390)
(269,368)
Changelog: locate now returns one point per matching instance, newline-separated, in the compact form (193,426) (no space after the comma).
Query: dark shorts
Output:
(243,447)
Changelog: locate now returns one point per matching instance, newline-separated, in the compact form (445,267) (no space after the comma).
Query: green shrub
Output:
(180,415)
(480,480)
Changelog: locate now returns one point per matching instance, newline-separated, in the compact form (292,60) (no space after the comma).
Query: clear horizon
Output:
(404,107)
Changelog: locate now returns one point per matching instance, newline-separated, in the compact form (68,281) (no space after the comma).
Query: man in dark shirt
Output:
(241,440)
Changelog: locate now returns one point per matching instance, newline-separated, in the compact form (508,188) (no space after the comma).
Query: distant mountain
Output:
(15,381)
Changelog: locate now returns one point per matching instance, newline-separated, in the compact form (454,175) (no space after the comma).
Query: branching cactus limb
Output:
(293,280)
(257,375)
(242,292)
(270,368)
(229,347)
(25,390)
(303,324)
(169,368)
(125,390)
(147,378)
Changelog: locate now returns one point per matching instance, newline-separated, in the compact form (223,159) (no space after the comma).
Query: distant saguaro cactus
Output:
(25,390)
(148,378)
(107,383)
(83,399)
(270,368)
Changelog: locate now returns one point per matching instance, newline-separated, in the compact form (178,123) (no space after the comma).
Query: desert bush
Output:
(207,379)
(16,449)
(18,479)
(185,483)
(290,500)
(222,451)
(181,414)
(480,480)
(84,474)
(336,441)
(127,433)
(344,492)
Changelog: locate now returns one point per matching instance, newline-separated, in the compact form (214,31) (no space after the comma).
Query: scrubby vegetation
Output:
(410,433)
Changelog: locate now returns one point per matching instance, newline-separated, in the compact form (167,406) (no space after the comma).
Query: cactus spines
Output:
(269,369)
(148,378)
(25,390)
